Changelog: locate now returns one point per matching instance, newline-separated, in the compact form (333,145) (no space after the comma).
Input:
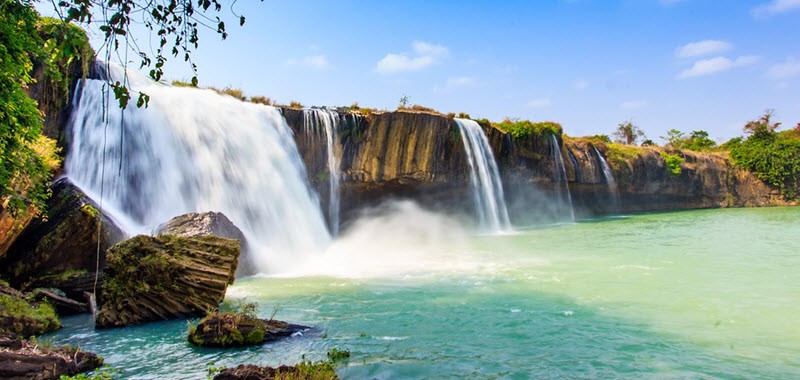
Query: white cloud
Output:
(786,69)
(701,48)
(775,7)
(715,65)
(633,104)
(426,54)
(581,84)
(460,81)
(540,103)
(317,62)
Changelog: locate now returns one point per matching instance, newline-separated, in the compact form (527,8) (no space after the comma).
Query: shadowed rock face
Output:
(420,156)
(66,240)
(23,360)
(166,277)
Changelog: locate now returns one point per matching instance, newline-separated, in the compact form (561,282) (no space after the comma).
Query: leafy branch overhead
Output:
(174,23)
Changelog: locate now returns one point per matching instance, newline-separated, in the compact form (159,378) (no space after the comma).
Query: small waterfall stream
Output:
(487,190)
(319,122)
(194,150)
(561,177)
(608,175)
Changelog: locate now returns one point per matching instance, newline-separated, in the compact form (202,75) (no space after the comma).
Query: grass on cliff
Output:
(23,318)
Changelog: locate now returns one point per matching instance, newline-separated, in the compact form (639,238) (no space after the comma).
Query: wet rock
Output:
(208,224)
(321,370)
(73,283)
(64,306)
(234,330)
(67,239)
(166,277)
(20,359)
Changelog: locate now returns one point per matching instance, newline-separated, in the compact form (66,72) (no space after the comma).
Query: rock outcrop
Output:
(236,330)
(321,371)
(208,224)
(24,360)
(165,277)
(21,317)
(66,239)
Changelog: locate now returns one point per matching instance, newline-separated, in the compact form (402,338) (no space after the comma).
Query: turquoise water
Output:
(698,294)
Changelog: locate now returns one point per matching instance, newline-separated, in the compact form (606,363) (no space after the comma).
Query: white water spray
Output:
(561,176)
(487,189)
(609,177)
(194,150)
(318,122)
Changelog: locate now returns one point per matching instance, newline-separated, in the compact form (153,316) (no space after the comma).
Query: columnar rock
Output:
(165,277)
(66,239)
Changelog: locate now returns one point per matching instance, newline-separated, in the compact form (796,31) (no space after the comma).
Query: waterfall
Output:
(561,176)
(317,122)
(608,175)
(487,190)
(575,165)
(194,150)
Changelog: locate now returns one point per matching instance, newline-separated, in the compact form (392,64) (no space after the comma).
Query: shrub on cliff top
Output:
(524,128)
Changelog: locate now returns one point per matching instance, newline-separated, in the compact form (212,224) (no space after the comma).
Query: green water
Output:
(699,294)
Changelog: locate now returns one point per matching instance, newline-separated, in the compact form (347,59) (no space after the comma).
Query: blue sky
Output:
(588,64)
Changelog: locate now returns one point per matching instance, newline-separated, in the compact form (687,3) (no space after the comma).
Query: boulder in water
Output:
(236,330)
(66,239)
(304,370)
(20,359)
(165,277)
(207,224)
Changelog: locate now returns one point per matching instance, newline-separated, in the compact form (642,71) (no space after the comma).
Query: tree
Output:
(175,24)
(628,133)
(403,102)
(764,127)
(674,138)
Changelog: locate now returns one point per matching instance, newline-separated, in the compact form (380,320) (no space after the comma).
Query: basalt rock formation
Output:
(419,155)
(165,277)
(65,240)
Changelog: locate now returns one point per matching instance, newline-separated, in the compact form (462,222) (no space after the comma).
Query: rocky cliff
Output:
(420,155)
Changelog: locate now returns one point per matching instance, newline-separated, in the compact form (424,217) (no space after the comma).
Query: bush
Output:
(774,158)
(673,162)
(523,128)
(295,104)
(263,100)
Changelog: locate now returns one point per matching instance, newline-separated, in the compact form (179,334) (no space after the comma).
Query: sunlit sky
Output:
(588,64)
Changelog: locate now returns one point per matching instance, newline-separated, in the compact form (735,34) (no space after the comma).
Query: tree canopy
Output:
(628,133)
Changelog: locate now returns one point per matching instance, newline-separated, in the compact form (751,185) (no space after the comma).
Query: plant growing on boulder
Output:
(240,328)
(673,162)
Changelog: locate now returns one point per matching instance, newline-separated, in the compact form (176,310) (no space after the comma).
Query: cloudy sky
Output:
(588,64)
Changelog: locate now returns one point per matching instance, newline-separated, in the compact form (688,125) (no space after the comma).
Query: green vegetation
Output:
(26,157)
(295,104)
(628,133)
(234,92)
(417,107)
(673,162)
(697,140)
(23,318)
(180,83)
(242,327)
(523,128)
(263,100)
(308,370)
(774,157)
(102,374)
(337,354)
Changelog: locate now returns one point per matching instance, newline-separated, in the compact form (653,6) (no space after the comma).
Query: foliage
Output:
(23,318)
(673,162)
(102,374)
(26,157)
(697,140)
(173,23)
(308,370)
(648,142)
(628,133)
(182,83)
(337,354)
(463,115)
(417,107)
(295,104)
(230,91)
(523,128)
(773,157)
(403,102)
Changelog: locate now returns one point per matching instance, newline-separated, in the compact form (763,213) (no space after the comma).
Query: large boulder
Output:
(165,277)
(24,360)
(66,239)
(208,224)
(305,370)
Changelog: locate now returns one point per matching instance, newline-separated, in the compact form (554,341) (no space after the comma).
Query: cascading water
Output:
(319,122)
(608,175)
(194,150)
(561,177)
(490,204)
